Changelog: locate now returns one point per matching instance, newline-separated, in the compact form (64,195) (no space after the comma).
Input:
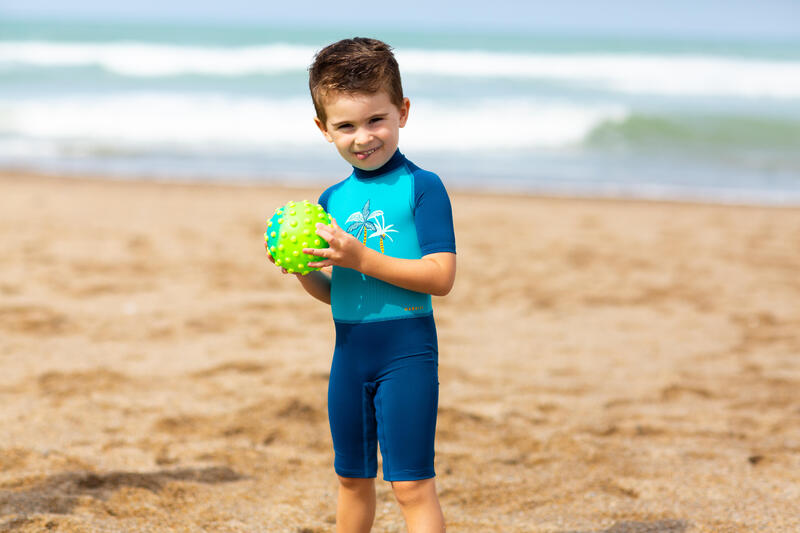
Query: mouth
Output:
(365,154)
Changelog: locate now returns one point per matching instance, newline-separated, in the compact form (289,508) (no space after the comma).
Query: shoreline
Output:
(277,182)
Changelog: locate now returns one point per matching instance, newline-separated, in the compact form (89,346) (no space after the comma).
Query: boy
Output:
(392,245)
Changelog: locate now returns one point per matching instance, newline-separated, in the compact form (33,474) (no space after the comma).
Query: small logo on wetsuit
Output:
(360,222)
(415,308)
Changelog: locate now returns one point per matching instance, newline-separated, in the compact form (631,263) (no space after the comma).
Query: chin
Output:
(372,165)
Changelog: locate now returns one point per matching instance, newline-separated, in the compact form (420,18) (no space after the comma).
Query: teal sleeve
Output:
(433,214)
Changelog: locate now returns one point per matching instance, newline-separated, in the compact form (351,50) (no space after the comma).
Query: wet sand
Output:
(605,366)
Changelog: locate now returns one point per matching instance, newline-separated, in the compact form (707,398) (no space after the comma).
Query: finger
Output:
(319,252)
(334,225)
(320,264)
(326,232)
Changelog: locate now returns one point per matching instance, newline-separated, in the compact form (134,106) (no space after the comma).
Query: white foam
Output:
(504,124)
(660,74)
(629,73)
(223,124)
(155,60)
(159,119)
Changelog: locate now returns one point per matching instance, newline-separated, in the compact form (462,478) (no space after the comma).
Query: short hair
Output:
(358,65)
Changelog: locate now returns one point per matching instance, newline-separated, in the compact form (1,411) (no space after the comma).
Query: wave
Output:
(159,60)
(224,124)
(641,131)
(658,74)
(225,127)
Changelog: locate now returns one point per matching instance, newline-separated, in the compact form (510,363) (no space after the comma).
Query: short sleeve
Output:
(433,214)
(323,198)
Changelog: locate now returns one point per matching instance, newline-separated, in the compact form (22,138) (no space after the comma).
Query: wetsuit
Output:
(384,378)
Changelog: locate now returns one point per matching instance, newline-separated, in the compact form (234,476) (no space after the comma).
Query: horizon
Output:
(711,20)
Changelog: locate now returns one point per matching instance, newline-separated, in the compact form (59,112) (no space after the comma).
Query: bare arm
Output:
(432,274)
(316,283)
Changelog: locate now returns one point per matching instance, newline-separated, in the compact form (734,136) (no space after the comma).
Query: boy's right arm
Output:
(315,283)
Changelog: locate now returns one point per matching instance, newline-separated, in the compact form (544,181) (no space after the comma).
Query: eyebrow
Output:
(376,115)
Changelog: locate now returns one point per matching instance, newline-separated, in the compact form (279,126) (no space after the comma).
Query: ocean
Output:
(598,116)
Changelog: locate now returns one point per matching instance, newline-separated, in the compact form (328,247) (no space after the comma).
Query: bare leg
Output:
(420,505)
(355,507)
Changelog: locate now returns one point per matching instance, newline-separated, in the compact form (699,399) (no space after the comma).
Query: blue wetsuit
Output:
(384,383)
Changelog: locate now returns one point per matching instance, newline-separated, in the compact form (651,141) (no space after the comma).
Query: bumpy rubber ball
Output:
(292,228)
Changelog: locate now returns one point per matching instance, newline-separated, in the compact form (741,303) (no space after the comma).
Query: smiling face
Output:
(364,127)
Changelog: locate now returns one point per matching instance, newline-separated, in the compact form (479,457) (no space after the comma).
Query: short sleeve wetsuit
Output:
(384,376)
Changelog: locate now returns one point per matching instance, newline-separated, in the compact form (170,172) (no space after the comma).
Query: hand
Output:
(344,250)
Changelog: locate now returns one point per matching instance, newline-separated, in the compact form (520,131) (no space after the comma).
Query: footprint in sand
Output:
(31,319)
(59,494)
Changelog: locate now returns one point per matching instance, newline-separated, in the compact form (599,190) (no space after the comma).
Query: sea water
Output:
(713,120)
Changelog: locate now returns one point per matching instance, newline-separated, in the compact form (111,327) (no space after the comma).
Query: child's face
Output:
(364,127)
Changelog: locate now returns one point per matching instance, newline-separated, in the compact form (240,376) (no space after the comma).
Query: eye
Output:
(344,126)
(375,119)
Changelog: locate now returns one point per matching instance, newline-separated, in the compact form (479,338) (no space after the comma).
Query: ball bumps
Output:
(292,228)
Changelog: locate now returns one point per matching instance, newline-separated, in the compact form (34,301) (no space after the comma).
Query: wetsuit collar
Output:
(395,161)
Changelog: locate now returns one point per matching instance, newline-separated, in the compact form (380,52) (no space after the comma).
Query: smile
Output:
(365,154)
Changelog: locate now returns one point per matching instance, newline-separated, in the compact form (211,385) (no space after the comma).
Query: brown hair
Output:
(358,65)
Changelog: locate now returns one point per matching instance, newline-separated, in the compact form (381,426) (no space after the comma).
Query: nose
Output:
(363,137)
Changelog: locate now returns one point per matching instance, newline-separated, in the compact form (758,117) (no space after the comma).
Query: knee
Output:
(411,493)
(356,484)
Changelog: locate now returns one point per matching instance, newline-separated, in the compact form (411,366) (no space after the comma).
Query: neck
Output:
(395,161)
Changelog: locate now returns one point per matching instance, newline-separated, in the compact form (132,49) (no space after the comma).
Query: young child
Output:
(392,245)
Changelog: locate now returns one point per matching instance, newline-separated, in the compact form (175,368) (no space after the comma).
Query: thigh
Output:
(351,415)
(406,401)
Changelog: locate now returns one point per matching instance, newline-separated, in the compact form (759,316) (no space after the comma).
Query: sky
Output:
(778,19)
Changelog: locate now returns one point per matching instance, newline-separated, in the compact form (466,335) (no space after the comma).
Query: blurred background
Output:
(679,100)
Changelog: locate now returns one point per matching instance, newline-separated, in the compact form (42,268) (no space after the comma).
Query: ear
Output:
(323,129)
(404,111)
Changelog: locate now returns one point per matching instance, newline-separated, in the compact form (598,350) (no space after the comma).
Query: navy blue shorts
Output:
(384,388)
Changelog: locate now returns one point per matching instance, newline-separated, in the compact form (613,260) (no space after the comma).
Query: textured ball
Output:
(292,228)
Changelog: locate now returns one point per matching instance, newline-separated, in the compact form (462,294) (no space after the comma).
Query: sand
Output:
(605,366)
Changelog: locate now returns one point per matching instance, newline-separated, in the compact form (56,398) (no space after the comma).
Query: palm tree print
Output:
(359,221)
(381,229)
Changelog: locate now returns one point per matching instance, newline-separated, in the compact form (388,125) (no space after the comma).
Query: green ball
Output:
(292,228)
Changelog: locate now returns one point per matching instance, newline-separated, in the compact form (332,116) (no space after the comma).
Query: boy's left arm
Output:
(432,274)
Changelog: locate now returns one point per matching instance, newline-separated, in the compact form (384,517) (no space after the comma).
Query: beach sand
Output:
(605,366)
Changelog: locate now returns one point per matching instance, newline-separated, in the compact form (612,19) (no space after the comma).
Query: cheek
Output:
(343,146)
